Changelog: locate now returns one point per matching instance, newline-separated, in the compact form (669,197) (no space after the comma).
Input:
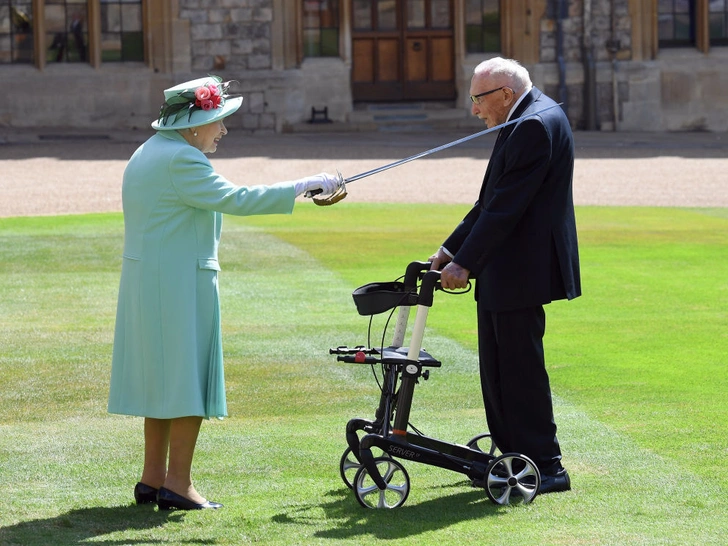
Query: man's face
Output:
(494,101)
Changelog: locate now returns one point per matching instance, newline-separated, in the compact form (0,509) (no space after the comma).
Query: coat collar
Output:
(526,103)
(172,135)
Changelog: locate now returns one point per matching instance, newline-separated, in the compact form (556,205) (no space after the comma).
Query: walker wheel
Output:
(394,474)
(483,442)
(348,465)
(512,478)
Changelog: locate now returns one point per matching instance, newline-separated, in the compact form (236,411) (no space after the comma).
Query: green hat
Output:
(194,103)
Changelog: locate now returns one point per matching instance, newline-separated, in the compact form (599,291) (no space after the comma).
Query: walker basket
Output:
(378,297)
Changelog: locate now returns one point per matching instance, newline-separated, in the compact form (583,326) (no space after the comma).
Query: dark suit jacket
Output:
(519,240)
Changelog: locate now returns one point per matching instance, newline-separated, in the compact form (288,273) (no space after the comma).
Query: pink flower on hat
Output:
(202,93)
(208,97)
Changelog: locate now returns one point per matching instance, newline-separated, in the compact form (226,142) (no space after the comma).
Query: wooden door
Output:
(402,50)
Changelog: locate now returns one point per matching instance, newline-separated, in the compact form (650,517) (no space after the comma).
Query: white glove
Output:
(327,183)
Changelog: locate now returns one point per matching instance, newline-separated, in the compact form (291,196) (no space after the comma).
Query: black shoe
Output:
(166,500)
(145,494)
(554,483)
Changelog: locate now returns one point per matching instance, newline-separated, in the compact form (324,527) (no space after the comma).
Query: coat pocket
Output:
(208,263)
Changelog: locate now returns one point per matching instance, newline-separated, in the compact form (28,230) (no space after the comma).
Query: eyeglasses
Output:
(476,98)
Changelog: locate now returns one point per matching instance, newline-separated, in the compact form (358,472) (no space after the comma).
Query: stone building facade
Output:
(625,65)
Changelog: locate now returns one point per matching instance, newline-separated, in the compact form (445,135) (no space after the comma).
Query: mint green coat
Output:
(167,359)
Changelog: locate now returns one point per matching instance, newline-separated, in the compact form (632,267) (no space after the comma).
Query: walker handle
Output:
(430,283)
(412,274)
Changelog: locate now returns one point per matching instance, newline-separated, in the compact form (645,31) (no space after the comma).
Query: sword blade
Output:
(444,146)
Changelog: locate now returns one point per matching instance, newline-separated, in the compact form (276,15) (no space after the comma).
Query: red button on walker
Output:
(360,357)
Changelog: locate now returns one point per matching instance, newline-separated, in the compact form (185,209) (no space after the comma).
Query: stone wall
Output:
(230,34)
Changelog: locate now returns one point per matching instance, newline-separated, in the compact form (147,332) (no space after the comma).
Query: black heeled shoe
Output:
(167,500)
(145,494)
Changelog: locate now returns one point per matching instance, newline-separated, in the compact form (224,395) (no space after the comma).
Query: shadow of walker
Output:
(80,525)
(347,520)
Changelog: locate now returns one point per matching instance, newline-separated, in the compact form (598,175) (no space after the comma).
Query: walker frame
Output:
(381,481)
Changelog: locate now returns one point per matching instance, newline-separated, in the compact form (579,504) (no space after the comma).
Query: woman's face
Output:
(207,136)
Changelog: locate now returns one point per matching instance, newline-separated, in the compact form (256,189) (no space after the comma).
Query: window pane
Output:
(716,26)
(16,31)
(122,38)
(110,18)
(472,12)
(329,42)
(682,27)
(132,46)
(676,23)
(4,19)
(665,27)
(415,13)
(67,31)
(312,42)
(664,6)
(362,14)
(110,47)
(386,15)
(682,6)
(55,18)
(440,15)
(329,14)
(131,17)
(321,28)
(718,22)
(482,30)
(311,14)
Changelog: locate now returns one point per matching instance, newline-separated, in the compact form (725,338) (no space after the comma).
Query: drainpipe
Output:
(613,49)
(560,14)
(590,72)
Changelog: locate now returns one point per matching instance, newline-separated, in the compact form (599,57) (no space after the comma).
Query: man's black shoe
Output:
(555,483)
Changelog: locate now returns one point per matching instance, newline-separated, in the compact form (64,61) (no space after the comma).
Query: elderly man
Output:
(519,243)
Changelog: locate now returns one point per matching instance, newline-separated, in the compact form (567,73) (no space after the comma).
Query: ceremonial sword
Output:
(434,150)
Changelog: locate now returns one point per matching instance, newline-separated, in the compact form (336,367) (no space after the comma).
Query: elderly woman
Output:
(167,361)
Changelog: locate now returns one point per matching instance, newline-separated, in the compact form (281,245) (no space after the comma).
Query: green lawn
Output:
(637,367)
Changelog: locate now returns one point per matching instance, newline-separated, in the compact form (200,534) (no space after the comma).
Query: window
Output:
(718,22)
(692,23)
(66,27)
(121,30)
(67,31)
(482,26)
(676,23)
(320,28)
(16,31)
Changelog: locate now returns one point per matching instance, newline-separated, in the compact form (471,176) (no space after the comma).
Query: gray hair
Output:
(509,69)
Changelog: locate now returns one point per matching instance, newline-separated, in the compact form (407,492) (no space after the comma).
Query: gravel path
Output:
(52,172)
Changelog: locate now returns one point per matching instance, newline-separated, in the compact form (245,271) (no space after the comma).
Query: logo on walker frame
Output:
(404,453)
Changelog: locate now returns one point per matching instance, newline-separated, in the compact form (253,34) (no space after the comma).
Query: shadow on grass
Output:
(346,519)
(80,525)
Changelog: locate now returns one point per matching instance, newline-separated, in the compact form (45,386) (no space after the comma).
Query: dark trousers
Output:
(515,384)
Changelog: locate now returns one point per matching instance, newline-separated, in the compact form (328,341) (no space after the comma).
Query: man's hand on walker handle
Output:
(439,259)
(453,276)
